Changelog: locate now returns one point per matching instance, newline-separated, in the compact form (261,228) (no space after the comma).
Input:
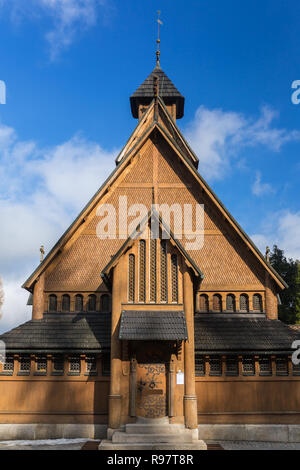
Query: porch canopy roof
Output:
(153,325)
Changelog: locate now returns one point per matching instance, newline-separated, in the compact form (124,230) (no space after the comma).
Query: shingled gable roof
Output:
(131,240)
(67,332)
(167,91)
(133,150)
(215,334)
(153,325)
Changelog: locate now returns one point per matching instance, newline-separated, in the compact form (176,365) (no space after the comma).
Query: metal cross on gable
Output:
(159,22)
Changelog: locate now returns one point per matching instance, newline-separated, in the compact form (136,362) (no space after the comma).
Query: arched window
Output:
(217,303)
(163,271)
(78,303)
(153,270)
(257,303)
(91,303)
(142,271)
(203,303)
(105,303)
(230,303)
(174,274)
(131,278)
(52,303)
(65,304)
(244,303)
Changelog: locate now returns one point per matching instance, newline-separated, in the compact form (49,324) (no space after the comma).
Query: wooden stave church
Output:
(218,351)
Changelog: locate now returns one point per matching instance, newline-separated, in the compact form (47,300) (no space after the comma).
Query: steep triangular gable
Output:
(131,240)
(166,120)
(174,145)
(133,150)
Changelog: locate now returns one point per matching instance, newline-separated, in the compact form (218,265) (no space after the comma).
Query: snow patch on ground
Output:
(44,442)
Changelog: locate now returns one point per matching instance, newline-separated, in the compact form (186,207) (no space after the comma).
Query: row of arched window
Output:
(141,294)
(91,304)
(233,304)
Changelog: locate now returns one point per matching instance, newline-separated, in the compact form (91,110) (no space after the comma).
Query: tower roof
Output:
(167,91)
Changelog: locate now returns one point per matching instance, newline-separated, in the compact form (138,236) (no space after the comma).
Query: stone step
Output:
(195,445)
(122,437)
(155,428)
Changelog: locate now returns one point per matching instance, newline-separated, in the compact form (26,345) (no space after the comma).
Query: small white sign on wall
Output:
(180,378)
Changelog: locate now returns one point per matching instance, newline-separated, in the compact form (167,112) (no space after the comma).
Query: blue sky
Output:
(70,67)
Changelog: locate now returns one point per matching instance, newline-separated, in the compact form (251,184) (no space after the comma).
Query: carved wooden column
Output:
(190,398)
(171,387)
(132,386)
(271,299)
(115,398)
(38,298)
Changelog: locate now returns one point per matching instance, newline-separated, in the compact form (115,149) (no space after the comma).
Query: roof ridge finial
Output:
(42,251)
(158,40)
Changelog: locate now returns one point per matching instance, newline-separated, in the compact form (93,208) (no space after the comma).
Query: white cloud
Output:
(259,188)
(68,18)
(217,136)
(71,169)
(41,192)
(283,229)
(14,311)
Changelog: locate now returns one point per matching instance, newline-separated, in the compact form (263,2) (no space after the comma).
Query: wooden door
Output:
(151,390)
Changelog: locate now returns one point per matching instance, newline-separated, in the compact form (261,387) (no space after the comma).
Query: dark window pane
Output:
(25,364)
(174,269)
(52,303)
(217,303)
(232,365)
(131,278)
(230,303)
(296,369)
(163,271)
(248,365)
(106,364)
(75,364)
(65,303)
(199,366)
(142,271)
(152,270)
(91,364)
(58,363)
(215,366)
(78,303)
(244,303)
(41,364)
(265,367)
(257,303)
(203,303)
(105,303)
(8,365)
(281,366)
(92,303)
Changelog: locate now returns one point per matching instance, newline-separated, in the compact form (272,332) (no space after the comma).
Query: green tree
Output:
(288,270)
(297,299)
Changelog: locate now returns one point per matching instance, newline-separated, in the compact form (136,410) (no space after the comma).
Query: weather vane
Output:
(159,22)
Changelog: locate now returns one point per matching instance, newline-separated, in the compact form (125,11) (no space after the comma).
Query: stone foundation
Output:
(250,432)
(208,432)
(51,431)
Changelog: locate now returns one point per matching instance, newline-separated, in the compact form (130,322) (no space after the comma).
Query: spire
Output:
(159,22)
(157,84)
